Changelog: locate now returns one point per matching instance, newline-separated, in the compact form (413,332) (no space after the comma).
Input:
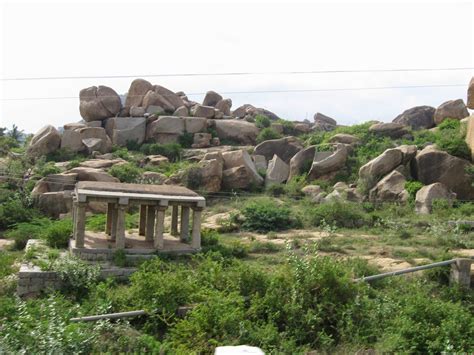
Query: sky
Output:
(40,39)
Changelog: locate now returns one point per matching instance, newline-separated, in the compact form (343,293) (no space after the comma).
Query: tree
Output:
(15,133)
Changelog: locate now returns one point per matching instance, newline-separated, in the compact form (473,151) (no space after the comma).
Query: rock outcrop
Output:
(427,194)
(326,167)
(98,103)
(238,131)
(392,130)
(284,148)
(470,94)
(301,162)
(418,117)
(344,138)
(432,165)
(390,189)
(323,122)
(277,171)
(374,170)
(470,135)
(126,129)
(45,141)
(233,173)
(455,109)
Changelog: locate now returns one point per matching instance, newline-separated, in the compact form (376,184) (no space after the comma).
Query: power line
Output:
(338,71)
(261,91)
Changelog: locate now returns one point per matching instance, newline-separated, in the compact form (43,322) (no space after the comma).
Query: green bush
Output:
(186,140)
(24,231)
(77,276)
(62,154)
(412,188)
(267,134)
(15,211)
(47,169)
(58,233)
(265,216)
(125,172)
(172,150)
(262,121)
(339,214)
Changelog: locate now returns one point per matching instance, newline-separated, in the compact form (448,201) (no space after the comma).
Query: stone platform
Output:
(100,246)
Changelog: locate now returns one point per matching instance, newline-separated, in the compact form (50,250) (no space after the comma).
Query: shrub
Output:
(193,177)
(262,121)
(58,233)
(412,188)
(453,143)
(186,140)
(61,154)
(133,145)
(339,214)
(14,211)
(266,134)
(47,169)
(172,150)
(24,231)
(265,216)
(125,172)
(77,276)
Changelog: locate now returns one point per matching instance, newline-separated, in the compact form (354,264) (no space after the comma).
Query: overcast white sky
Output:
(100,39)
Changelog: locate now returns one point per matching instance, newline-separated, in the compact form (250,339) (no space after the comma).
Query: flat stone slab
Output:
(5,243)
(170,190)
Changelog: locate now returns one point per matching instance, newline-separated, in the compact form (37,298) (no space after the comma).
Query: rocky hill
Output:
(155,135)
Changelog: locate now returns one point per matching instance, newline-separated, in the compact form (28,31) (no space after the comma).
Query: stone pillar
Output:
(142,226)
(174,221)
(73,213)
(120,237)
(196,233)
(150,223)
(184,224)
(113,230)
(159,241)
(80,229)
(108,224)
(461,273)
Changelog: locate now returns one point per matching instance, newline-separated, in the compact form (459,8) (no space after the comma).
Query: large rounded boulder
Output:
(432,165)
(455,109)
(284,148)
(98,103)
(418,117)
(45,141)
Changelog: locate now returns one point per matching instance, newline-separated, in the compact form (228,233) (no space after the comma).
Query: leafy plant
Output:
(262,121)
(412,188)
(267,134)
(265,216)
(125,172)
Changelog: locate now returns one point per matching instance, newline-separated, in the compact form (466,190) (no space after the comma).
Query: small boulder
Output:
(45,141)
(156,160)
(323,122)
(301,162)
(314,192)
(174,99)
(285,148)
(136,93)
(201,140)
(165,125)
(202,111)
(152,98)
(427,194)
(54,204)
(181,111)
(224,106)
(418,117)
(72,141)
(239,131)
(455,109)
(98,103)
(328,167)
(344,138)
(195,124)
(390,189)
(126,129)
(211,167)
(95,139)
(238,158)
(392,130)
(137,111)
(277,171)
(260,162)
(211,99)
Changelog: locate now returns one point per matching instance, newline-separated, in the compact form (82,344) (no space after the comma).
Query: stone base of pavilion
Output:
(100,246)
